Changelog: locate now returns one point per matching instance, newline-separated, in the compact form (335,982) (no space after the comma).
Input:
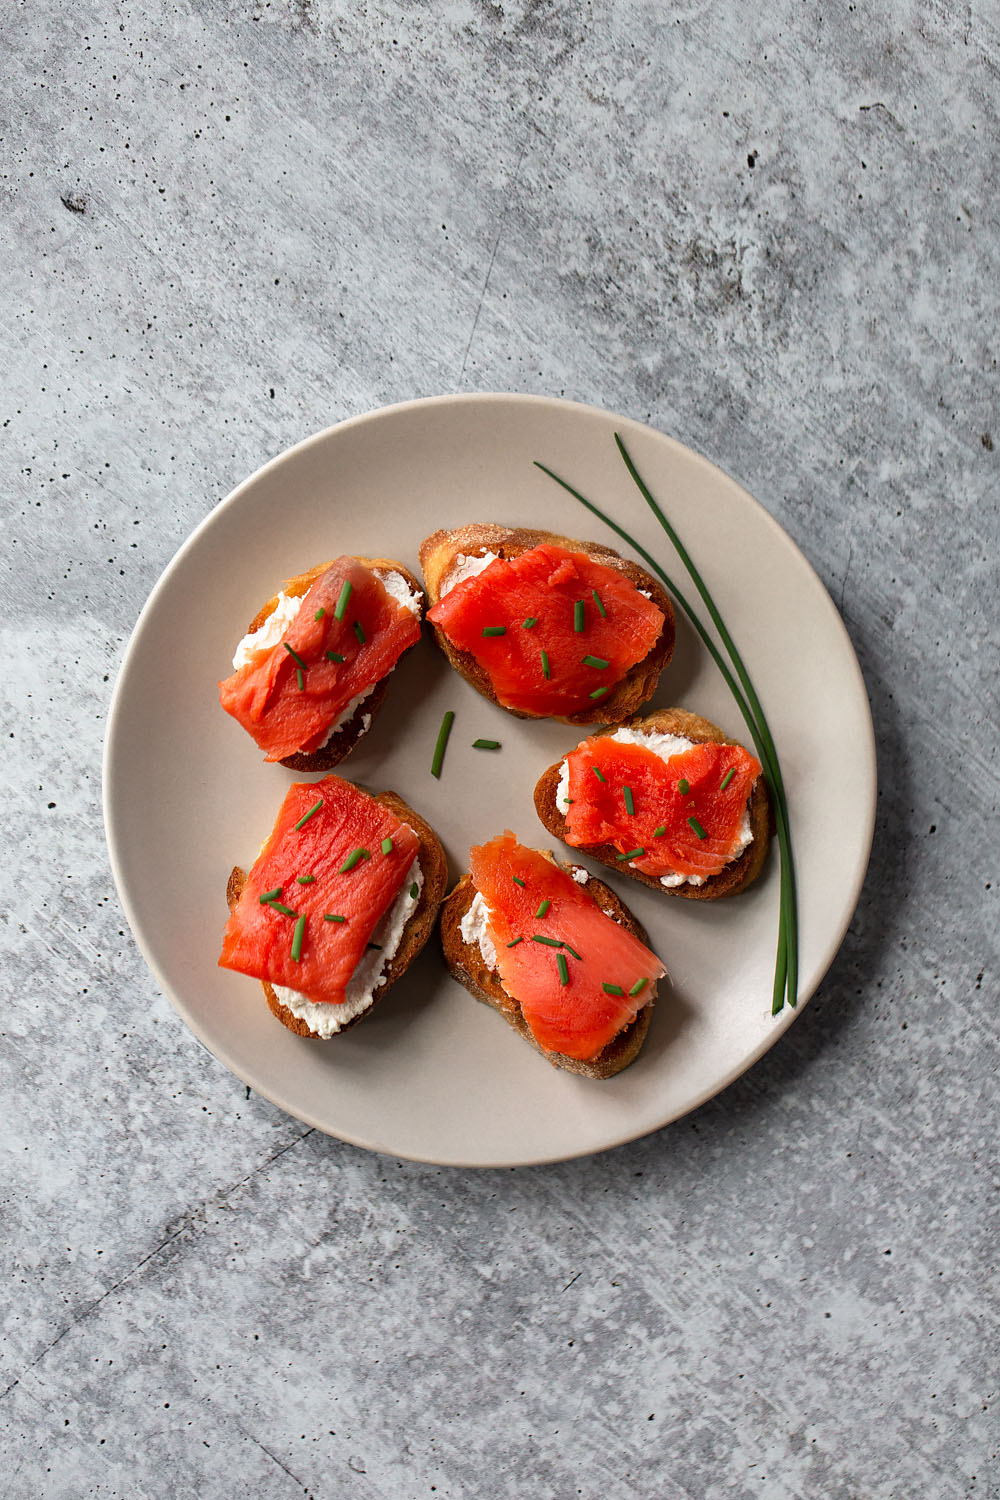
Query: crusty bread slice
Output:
(468,966)
(438,553)
(418,929)
(355,728)
(733,877)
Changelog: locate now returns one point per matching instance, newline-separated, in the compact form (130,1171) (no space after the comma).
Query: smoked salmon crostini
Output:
(667,800)
(312,671)
(556,953)
(342,897)
(546,626)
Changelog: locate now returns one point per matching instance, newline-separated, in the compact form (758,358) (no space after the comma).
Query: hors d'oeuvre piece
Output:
(667,800)
(555,952)
(341,899)
(312,671)
(545,626)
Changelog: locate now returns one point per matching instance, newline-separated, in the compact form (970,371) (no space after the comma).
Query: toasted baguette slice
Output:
(437,555)
(467,965)
(733,877)
(418,929)
(357,726)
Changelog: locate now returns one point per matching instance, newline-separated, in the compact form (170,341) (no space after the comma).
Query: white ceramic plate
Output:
(431,1074)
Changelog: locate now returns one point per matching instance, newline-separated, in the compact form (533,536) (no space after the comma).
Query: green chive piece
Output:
(598,774)
(659,832)
(359,631)
(572,950)
(494,630)
(595,661)
(377,947)
(579,616)
(387,846)
(530,622)
(297,936)
(306,816)
(515,942)
(597,600)
(693,823)
(612,989)
(599,692)
(330,916)
(563,969)
(486,744)
(632,854)
(305,879)
(637,988)
(294,655)
(543,908)
(727,778)
(270,895)
(319,613)
(334,656)
(300,679)
(414,891)
(517,880)
(629,802)
(545,666)
(346,590)
(286,911)
(354,858)
(549,942)
(442,741)
(683,787)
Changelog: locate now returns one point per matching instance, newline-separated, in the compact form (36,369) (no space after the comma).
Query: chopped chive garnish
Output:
(599,692)
(319,613)
(486,744)
(563,969)
(659,832)
(334,656)
(332,916)
(683,787)
(387,846)
(637,988)
(286,911)
(572,950)
(727,778)
(305,879)
(597,773)
(346,589)
(693,823)
(300,678)
(629,801)
(494,630)
(597,600)
(579,616)
(530,622)
(612,989)
(297,936)
(545,666)
(306,816)
(377,947)
(595,661)
(294,654)
(515,942)
(632,854)
(517,880)
(549,942)
(354,858)
(270,895)
(359,631)
(442,741)
(543,908)
(414,891)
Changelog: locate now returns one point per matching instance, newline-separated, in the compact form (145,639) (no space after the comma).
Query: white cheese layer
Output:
(464,567)
(665,746)
(270,633)
(326,1019)
(474,929)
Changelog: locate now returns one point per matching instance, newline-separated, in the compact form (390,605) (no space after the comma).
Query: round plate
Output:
(431,1074)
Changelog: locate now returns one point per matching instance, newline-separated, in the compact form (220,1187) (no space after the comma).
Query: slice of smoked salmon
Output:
(579,1018)
(666,818)
(286,712)
(540,668)
(316,846)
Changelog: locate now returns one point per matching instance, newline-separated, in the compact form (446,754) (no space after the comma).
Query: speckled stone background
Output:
(771,231)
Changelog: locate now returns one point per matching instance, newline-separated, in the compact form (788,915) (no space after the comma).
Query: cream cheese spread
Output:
(474,928)
(465,567)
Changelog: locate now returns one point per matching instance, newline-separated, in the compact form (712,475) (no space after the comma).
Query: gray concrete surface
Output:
(771,231)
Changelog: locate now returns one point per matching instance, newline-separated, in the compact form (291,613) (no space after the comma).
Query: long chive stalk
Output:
(786,969)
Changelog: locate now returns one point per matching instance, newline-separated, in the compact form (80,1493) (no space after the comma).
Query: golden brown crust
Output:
(734,877)
(355,728)
(466,963)
(438,552)
(418,929)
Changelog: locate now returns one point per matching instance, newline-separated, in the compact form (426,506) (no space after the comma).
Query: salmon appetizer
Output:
(545,626)
(340,900)
(555,952)
(667,800)
(312,671)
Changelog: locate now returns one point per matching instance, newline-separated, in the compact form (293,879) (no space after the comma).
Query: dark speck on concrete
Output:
(75,202)
(987,441)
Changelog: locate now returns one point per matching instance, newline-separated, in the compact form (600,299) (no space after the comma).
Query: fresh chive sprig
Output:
(442,742)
